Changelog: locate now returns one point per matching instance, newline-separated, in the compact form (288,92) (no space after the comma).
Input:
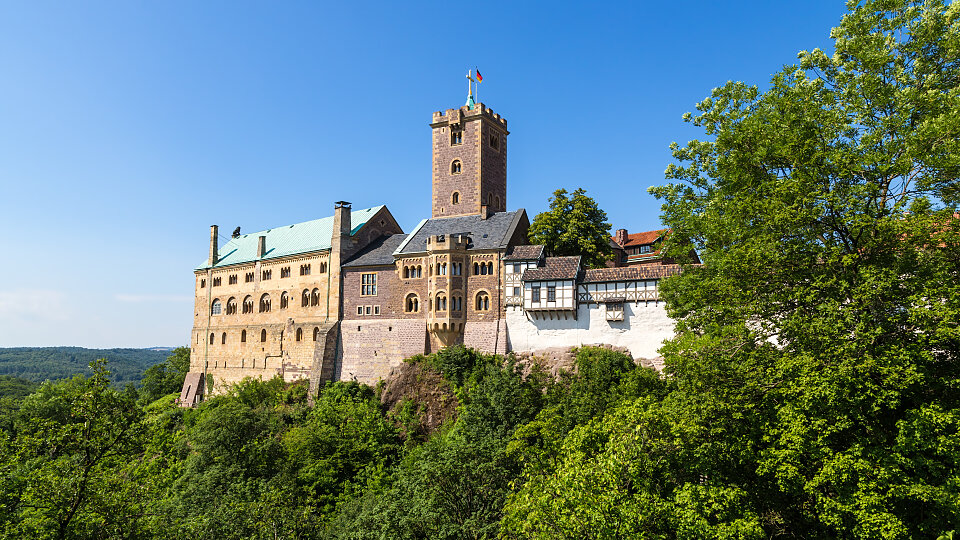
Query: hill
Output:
(41,363)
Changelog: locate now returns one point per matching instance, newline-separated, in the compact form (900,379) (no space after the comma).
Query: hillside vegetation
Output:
(38,364)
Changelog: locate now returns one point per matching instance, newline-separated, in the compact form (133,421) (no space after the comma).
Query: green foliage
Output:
(39,364)
(166,377)
(574,225)
(15,387)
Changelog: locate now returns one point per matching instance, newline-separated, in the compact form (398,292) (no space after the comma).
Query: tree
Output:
(820,336)
(574,225)
(166,377)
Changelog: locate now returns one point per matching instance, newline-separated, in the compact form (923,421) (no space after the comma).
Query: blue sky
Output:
(128,128)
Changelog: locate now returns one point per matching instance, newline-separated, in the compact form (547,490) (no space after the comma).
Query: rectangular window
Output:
(456,135)
(551,293)
(266,274)
(535,293)
(248,277)
(304,269)
(233,279)
(367,310)
(376,310)
(517,268)
(216,282)
(359,310)
(368,284)
(285,272)
(516,291)
(644,249)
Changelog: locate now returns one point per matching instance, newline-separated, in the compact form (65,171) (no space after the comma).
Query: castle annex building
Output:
(349,296)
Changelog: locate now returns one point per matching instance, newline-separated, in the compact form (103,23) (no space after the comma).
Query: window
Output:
(265,303)
(412,304)
(644,249)
(304,269)
(406,272)
(263,335)
(516,291)
(232,280)
(299,334)
(456,303)
(494,141)
(368,284)
(359,310)
(419,271)
(232,306)
(248,304)
(456,269)
(496,200)
(315,297)
(490,268)
(223,339)
(516,268)
(535,293)
(203,283)
(455,167)
(316,333)
(323,268)
(211,338)
(266,274)
(305,298)
(285,272)
(215,307)
(441,303)
(551,293)
(476,269)
(456,135)
(217,281)
(490,200)
(243,336)
(455,199)
(376,310)
(483,301)
(284,300)
(441,269)
(367,310)
(248,277)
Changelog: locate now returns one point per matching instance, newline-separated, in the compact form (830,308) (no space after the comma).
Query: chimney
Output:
(213,245)
(341,218)
(621,237)
(484,211)
(261,246)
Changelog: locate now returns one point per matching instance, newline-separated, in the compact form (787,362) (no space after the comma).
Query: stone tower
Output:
(469,161)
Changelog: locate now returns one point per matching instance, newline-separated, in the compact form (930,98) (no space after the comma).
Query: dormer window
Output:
(455,167)
(644,249)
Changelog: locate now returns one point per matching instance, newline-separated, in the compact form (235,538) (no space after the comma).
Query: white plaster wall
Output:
(643,330)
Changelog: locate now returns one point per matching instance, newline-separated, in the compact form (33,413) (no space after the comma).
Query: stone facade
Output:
(351,296)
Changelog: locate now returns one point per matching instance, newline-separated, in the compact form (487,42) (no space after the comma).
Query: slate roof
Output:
(303,237)
(378,253)
(491,233)
(554,268)
(524,253)
(630,273)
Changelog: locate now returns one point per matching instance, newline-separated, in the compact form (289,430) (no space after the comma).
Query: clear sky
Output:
(127,128)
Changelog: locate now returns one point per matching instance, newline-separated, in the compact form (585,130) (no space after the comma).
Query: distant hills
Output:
(41,363)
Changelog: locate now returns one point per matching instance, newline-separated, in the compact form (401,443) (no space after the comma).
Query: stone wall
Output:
(642,332)
(371,348)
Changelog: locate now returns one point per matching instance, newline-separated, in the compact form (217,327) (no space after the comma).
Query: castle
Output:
(351,295)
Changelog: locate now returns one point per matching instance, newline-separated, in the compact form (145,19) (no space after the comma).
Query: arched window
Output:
(497,201)
(243,336)
(456,197)
(323,267)
(476,269)
(265,303)
(483,301)
(456,303)
(315,297)
(305,299)
(406,272)
(215,308)
(316,333)
(248,304)
(490,199)
(284,300)
(232,306)
(455,167)
(299,334)
(441,302)
(412,303)
(211,338)
(419,271)
(263,335)
(490,268)
(223,339)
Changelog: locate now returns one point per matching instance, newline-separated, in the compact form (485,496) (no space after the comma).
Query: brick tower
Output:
(469,161)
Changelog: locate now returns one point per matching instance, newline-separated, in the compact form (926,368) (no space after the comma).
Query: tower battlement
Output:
(453,116)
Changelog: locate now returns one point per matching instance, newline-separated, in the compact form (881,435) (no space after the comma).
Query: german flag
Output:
(479,77)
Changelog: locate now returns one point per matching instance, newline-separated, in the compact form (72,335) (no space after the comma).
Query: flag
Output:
(479,77)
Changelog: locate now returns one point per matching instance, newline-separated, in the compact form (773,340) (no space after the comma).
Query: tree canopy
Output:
(574,225)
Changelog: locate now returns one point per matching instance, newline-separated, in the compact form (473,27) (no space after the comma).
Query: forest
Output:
(38,364)
(812,389)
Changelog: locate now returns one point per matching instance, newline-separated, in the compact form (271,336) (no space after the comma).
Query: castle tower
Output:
(469,161)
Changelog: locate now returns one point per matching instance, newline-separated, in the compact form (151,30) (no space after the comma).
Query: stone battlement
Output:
(454,116)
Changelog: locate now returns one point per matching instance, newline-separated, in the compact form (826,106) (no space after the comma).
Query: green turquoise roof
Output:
(293,239)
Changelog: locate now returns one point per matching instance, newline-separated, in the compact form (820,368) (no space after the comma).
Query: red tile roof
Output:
(554,268)
(524,253)
(642,238)
(630,273)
